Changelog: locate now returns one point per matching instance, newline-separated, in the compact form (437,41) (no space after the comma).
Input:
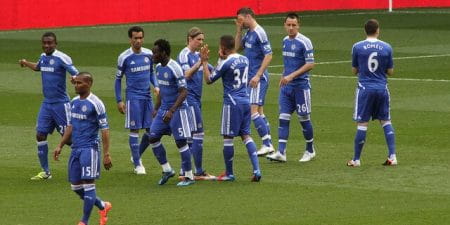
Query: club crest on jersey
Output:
(146,60)
(166,75)
(52,61)
(132,123)
(84,108)
(292,47)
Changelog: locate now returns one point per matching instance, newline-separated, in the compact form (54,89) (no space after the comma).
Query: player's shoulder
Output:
(97,103)
(304,40)
(359,43)
(125,54)
(262,35)
(386,44)
(175,67)
(74,99)
(146,51)
(62,56)
(184,55)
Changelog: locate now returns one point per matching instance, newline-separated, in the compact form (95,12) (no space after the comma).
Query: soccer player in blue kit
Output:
(372,62)
(55,108)
(87,117)
(189,60)
(257,49)
(170,113)
(233,69)
(295,88)
(136,64)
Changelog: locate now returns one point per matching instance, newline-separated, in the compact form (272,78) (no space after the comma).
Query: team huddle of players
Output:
(176,109)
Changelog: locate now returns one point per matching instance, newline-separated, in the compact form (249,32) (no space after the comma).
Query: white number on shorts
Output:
(180,132)
(372,63)
(86,171)
(301,108)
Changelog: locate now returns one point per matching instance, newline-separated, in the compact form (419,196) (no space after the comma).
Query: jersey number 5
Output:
(238,79)
(372,63)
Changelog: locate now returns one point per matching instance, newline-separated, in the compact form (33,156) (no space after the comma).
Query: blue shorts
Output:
(295,99)
(195,118)
(372,104)
(84,164)
(178,126)
(258,94)
(51,116)
(138,114)
(235,120)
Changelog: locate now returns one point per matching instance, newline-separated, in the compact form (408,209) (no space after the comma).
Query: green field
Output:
(323,191)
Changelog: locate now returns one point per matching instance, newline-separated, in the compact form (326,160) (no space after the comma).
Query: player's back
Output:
(138,69)
(53,70)
(256,45)
(373,58)
(170,78)
(234,73)
(296,53)
(87,117)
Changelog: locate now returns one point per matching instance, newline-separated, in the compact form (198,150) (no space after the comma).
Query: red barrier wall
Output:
(25,14)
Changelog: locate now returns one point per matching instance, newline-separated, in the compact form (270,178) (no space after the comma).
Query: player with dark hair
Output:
(170,113)
(55,108)
(136,64)
(257,49)
(87,117)
(233,69)
(189,60)
(372,62)
(295,88)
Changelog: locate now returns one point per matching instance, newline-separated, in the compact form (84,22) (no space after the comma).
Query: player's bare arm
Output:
(265,63)
(31,65)
(121,107)
(105,143)
(238,37)
(66,138)
(390,71)
(287,79)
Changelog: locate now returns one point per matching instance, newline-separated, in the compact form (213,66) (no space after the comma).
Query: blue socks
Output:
(283,132)
(228,155)
(133,140)
(390,137)
(261,127)
(89,201)
(197,151)
(267,123)
(144,143)
(308,134)
(79,190)
(159,152)
(43,155)
(360,139)
(251,150)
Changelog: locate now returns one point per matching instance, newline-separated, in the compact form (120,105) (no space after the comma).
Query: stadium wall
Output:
(32,14)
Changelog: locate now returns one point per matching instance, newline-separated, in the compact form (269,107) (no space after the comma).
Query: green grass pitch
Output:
(323,191)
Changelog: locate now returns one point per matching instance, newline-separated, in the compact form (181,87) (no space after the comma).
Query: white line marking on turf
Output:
(395,58)
(355,77)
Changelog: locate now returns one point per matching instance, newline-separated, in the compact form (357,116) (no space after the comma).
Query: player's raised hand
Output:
(254,81)
(121,107)
(107,161)
(22,62)
(56,153)
(239,24)
(204,53)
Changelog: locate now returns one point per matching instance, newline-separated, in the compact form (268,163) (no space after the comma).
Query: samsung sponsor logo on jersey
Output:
(248,45)
(377,46)
(140,68)
(47,69)
(289,54)
(78,116)
(238,61)
(163,82)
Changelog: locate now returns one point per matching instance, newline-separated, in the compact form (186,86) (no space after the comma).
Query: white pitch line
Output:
(355,77)
(395,58)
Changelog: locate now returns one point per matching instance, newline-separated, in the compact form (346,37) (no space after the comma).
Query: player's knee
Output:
(41,137)
(153,139)
(181,143)
(303,118)
(255,115)
(284,116)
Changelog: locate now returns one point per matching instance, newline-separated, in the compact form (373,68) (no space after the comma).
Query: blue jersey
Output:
(187,59)
(138,69)
(170,78)
(87,116)
(53,70)
(372,58)
(233,71)
(296,53)
(256,46)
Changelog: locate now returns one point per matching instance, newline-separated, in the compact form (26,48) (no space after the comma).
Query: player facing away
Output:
(233,69)
(136,64)
(295,88)
(257,49)
(189,60)
(55,108)
(372,62)
(87,117)
(170,113)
